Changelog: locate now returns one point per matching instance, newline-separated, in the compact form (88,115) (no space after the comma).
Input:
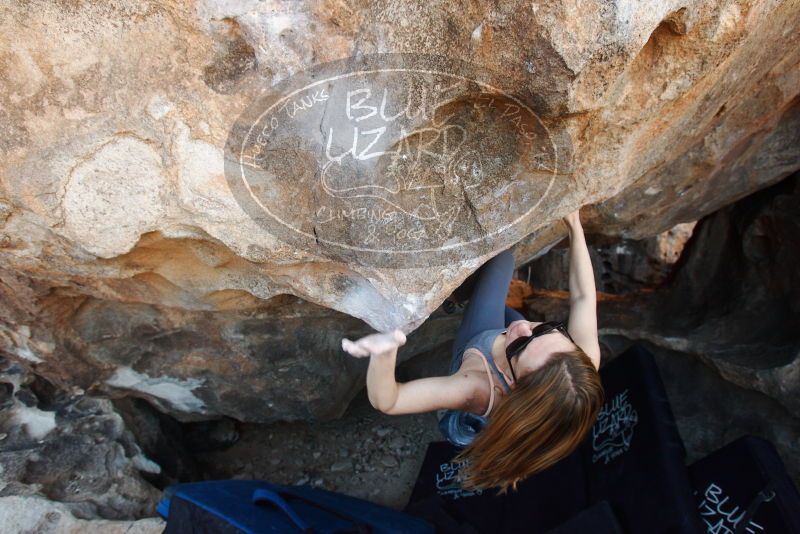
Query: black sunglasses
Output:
(519,344)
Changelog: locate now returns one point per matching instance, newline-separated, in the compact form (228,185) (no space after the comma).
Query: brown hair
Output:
(544,418)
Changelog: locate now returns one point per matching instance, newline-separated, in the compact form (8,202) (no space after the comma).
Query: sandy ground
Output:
(365,453)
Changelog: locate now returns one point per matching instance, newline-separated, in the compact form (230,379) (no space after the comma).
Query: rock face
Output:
(620,265)
(34,514)
(128,265)
(71,449)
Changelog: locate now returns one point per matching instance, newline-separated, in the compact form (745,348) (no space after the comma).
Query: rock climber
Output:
(543,391)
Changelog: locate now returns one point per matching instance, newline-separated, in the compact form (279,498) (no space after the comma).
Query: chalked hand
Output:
(379,343)
(573,219)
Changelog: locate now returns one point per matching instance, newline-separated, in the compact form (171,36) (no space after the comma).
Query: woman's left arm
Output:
(582,293)
(581,274)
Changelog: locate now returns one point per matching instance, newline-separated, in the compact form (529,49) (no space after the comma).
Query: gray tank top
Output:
(482,343)
(460,427)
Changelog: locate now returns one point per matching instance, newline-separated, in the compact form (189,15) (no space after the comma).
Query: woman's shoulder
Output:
(486,390)
(471,360)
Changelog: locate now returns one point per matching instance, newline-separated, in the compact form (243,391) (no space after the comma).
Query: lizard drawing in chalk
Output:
(420,177)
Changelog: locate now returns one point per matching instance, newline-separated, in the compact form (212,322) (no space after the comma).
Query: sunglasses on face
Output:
(519,344)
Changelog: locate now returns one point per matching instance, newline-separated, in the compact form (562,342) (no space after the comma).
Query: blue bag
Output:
(255,506)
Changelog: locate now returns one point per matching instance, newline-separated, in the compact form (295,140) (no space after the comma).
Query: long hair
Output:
(544,418)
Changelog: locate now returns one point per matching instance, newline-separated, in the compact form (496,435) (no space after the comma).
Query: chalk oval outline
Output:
(493,89)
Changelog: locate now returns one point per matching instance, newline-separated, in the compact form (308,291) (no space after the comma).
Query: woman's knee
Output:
(505,256)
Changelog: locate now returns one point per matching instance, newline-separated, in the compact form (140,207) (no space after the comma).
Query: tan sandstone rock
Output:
(128,265)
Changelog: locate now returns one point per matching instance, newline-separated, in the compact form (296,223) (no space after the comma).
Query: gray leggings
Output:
(487,306)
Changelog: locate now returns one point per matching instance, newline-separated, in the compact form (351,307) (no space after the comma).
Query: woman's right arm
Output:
(417,396)
(382,389)
(453,392)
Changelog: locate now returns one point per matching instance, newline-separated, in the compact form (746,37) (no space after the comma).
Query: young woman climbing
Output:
(543,390)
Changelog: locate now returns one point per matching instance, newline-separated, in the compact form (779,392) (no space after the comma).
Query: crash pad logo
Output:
(613,431)
(448,481)
(722,515)
(394,159)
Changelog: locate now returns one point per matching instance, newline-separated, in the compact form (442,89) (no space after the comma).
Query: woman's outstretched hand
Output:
(573,219)
(379,343)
